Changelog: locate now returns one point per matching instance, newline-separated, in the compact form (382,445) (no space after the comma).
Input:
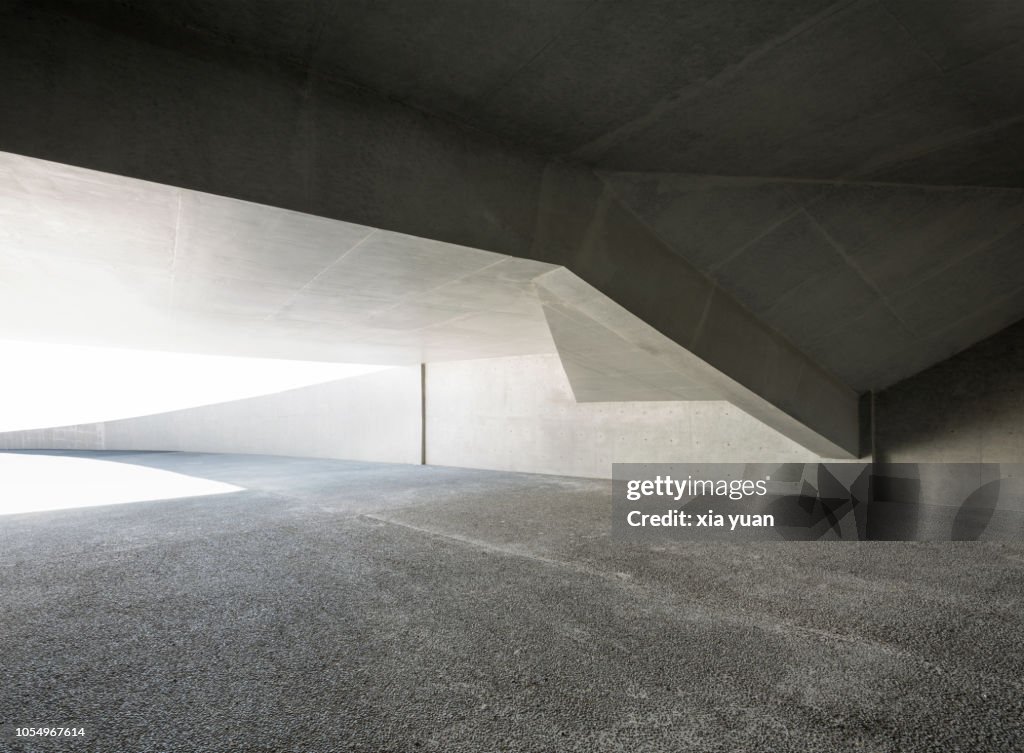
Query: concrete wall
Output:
(75,437)
(519,414)
(969,408)
(372,417)
(515,413)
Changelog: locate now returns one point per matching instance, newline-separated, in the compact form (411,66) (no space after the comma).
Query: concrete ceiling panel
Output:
(105,223)
(610,67)
(956,291)
(782,88)
(954,33)
(989,157)
(443,56)
(871,348)
(116,261)
(394,265)
(905,263)
(745,124)
(224,238)
(705,216)
(799,255)
(897,237)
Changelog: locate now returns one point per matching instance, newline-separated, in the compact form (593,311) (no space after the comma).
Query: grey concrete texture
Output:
(120,262)
(70,437)
(873,281)
(358,607)
(915,90)
(524,414)
(517,413)
(609,354)
(106,260)
(198,95)
(217,261)
(374,417)
(967,409)
(616,253)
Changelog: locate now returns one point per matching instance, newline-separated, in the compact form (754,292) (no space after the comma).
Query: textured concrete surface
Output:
(920,91)
(342,606)
(516,413)
(384,116)
(520,414)
(107,260)
(188,271)
(294,138)
(873,281)
(374,417)
(969,409)
(611,355)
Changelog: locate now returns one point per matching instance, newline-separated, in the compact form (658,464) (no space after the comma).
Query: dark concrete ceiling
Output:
(851,172)
(909,91)
(873,281)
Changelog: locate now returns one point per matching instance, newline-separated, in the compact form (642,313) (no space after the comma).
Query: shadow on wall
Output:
(969,408)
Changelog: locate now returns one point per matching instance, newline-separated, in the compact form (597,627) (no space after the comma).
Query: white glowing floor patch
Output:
(33,483)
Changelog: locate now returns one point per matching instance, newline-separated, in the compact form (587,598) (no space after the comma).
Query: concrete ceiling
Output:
(100,259)
(849,172)
(873,281)
(878,145)
(910,91)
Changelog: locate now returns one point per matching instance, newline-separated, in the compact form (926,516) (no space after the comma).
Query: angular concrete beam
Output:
(185,112)
(651,366)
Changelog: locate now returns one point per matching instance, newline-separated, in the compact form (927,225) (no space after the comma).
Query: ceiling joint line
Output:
(949,263)
(852,264)
(597,148)
(320,274)
(911,36)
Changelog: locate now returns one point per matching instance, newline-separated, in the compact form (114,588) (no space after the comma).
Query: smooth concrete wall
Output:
(518,414)
(967,409)
(374,417)
(75,437)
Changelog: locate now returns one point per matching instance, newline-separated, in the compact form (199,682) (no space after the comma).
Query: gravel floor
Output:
(337,606)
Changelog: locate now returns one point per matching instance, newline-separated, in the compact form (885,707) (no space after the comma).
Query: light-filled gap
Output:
(45,385)
(34,483)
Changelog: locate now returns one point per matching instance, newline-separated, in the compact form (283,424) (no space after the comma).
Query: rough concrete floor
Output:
(341,606)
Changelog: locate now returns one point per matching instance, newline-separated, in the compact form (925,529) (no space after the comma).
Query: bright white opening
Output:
(44,385)
(33,483)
